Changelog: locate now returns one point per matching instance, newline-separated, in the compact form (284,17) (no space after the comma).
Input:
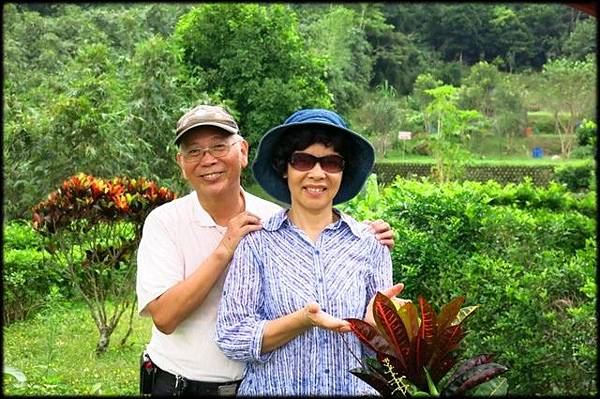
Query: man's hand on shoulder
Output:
(383,232)
(238,227)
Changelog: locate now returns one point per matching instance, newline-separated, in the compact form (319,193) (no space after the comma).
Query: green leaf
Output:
(463,314)
(432,388)
(496,387)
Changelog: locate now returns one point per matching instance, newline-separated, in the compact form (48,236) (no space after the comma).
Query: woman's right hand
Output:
(318,318)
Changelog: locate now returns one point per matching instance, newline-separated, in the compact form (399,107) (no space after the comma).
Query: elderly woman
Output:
(291,284)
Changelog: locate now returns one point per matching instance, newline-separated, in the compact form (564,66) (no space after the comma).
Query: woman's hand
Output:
(318,318)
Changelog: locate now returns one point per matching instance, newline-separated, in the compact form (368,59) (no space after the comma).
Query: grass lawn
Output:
(55,351)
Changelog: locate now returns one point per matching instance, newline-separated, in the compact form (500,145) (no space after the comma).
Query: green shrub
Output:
(543,122)
(19,234)
(525,254)
(586,133)
(29,274)
(576,177)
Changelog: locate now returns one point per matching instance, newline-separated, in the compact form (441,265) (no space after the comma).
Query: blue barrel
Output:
(537,152)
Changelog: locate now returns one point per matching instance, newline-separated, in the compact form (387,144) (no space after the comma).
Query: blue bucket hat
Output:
(356,170)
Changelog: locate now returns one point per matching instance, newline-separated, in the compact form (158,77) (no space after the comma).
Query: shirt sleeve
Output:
(380,276)
(240,320)
(159,263)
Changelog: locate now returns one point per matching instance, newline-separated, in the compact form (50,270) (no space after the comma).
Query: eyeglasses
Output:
(303,161)
(216,150)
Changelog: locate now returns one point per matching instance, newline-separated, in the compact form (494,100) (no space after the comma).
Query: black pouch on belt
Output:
(147,374)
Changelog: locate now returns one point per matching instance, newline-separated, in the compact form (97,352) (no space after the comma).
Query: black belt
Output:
(183,386)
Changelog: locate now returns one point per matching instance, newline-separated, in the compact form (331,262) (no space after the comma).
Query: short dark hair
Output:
(304,137)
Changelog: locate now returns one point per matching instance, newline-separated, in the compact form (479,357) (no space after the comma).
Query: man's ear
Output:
(179,160)
(244,148)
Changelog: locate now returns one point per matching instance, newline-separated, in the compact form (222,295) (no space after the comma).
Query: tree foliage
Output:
(571,88)
(339,36)
(253,55)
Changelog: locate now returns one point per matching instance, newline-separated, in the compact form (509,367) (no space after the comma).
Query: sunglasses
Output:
(303,161)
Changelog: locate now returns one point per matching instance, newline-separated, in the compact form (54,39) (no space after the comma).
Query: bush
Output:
(29,273)
(542,122)
(577,177)
(525,254)
(586,133)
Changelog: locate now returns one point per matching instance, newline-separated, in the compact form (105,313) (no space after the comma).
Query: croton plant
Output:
(413,354)
(93,227)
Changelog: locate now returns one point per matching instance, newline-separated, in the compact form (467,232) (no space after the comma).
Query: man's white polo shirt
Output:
(176,239)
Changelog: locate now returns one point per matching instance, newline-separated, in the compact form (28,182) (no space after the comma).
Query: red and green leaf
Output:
(439,369)
(369,336)
(428,329)
(389,322)
(463,314)
(469,364)
(410,318)
(473,377)
(446,342)
(374,379)
(449,312)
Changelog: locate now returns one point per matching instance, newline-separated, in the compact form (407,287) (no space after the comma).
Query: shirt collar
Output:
(280,219)
(199,214)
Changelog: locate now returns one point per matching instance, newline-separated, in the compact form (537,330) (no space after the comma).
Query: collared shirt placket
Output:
(322,297)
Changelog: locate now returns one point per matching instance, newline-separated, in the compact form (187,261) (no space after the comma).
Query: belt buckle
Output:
(227,390)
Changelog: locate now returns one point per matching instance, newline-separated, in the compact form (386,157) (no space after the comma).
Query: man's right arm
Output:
(174,305)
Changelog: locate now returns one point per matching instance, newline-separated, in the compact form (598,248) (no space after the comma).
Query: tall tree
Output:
(379,118)
(338,35)
(253,55)
(569,88)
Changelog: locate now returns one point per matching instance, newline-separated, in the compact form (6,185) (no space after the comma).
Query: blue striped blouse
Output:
(278,270)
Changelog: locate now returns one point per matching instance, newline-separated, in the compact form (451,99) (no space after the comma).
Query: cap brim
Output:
(358,167)
(222,126)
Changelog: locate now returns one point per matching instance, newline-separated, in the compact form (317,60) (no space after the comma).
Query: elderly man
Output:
(183,256)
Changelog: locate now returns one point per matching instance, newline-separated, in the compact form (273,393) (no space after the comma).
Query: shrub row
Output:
(29,273)
(577,177)
(525,254)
